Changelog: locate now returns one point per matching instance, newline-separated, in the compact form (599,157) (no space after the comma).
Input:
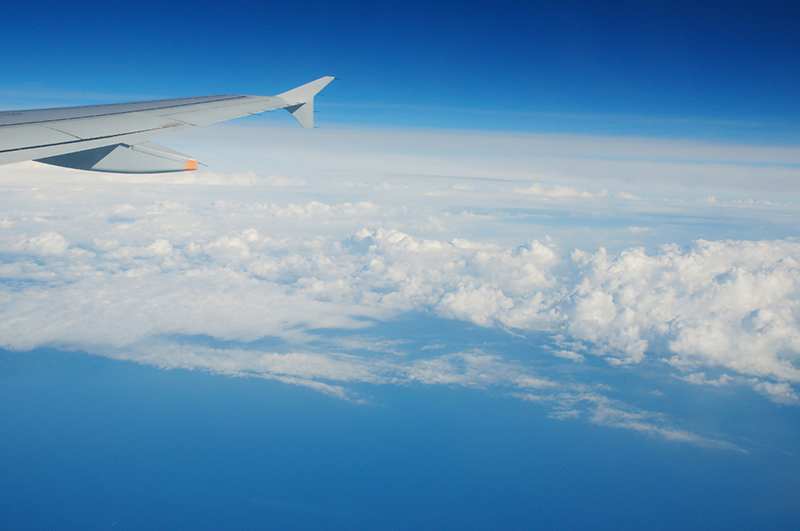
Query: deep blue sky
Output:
(678,60)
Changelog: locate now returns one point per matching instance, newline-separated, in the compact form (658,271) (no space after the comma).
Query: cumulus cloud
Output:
(781,393)
(724,304)
(719,304)
(131,267)
(46,243)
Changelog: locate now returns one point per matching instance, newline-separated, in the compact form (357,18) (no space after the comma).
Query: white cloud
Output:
(638,229)
(781,393)
(556,190)
(723,304)
(569,354)
(610,413)
(699,378)
(718,304)
(625,195)
(598,409)
(119,265)
(47,243)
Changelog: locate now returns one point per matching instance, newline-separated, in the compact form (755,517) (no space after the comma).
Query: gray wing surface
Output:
(115,138)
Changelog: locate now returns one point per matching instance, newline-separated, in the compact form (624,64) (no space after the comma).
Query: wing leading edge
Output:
(115,138)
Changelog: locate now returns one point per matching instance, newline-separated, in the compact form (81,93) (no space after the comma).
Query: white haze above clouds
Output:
(636,252)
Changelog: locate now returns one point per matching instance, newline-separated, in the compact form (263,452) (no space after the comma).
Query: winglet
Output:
(300,100)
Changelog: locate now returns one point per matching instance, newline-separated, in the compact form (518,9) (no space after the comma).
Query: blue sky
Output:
(712,62)
(537,266)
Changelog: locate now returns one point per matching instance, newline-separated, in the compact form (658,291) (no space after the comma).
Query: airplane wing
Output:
(115,138)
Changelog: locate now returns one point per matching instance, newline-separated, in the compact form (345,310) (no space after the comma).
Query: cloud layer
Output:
(134,267)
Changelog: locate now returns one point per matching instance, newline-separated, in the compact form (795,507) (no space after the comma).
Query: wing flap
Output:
(123,158)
